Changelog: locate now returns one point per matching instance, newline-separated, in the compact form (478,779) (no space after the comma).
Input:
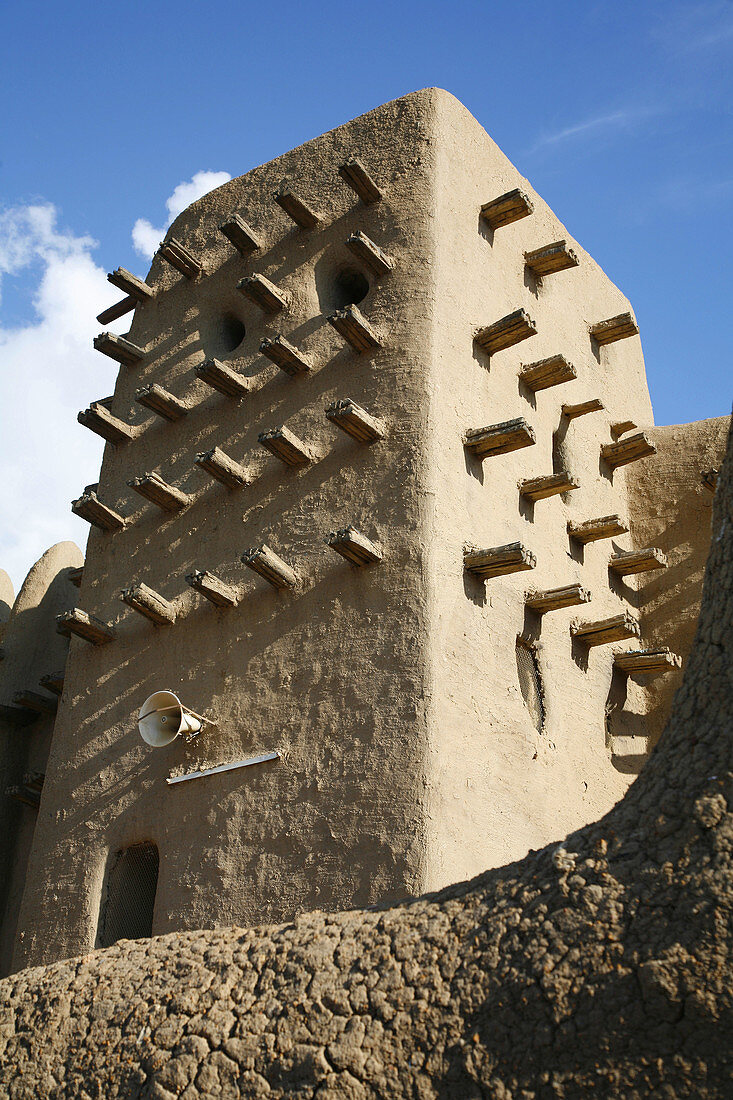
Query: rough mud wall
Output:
(32,649)
(330,674)
(671,507)
(599,966)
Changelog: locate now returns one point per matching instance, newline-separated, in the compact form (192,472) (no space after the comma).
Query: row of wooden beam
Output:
(360,551)
(349,322)
(348,542)
(244,239)
(519,326)
(512,435)
(497,561)
(280,442)
(29,791)
(351,544)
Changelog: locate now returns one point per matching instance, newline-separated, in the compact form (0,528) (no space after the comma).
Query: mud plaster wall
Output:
(377,685)
(669,507)
(332,675)
(497,786)
(32,649)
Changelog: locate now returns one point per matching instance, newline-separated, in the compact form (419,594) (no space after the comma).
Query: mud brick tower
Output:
(364,505)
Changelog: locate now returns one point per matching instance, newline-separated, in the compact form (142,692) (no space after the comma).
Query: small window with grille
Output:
(129,897)
(530,683)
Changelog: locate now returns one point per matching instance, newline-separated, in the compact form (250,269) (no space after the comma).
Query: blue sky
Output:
(619,113)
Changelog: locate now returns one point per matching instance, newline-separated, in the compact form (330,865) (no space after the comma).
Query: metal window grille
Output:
(530,683)
(132,880)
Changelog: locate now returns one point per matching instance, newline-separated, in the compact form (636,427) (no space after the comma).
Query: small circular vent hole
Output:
(231,333)
(349,287)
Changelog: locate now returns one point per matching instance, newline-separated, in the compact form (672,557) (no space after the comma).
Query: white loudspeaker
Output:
(163,717)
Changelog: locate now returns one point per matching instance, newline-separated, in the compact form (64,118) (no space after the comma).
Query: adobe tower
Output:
(366,508)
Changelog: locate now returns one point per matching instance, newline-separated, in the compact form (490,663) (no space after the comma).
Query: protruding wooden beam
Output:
(602,631)
(370,254)
(546,372)
(119,309)
(647,662)
(220,466)
(621,427)
(356,176)
(551,258)
(495,561)
(591,530)
(296,209)
(35,702)
(355,547)
(355,329)
(553,599)
(263,560)
(263,293)
(709,479)
(54,682)
(239,233)
(286,446)
(75,575)
(222,378)
(628,562)
(100,420)
(538,488)
(615,328)
(146,601)
(582,409)
(286,356)
(153,488)
(24,794)
(355,421)
(84,626)
(507,332)
(506,209)
(629,449)
(34,780)
(130,284)
(173,252)
(161,402)
(498,439)
(214,589)
(90,508)
(118,348)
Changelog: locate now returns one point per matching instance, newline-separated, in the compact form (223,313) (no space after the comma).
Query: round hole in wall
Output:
(231,332)
(349,287)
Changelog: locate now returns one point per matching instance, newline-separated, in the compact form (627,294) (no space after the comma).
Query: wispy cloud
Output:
(596,127)
(146,237)
(692,28)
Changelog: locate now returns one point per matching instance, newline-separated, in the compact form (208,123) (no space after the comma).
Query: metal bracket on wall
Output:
(171,779)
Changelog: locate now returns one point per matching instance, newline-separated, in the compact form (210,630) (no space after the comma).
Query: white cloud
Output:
(146,237)
(29,233)
(50,371)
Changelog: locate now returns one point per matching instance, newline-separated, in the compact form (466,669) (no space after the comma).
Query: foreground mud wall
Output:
(598,966)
